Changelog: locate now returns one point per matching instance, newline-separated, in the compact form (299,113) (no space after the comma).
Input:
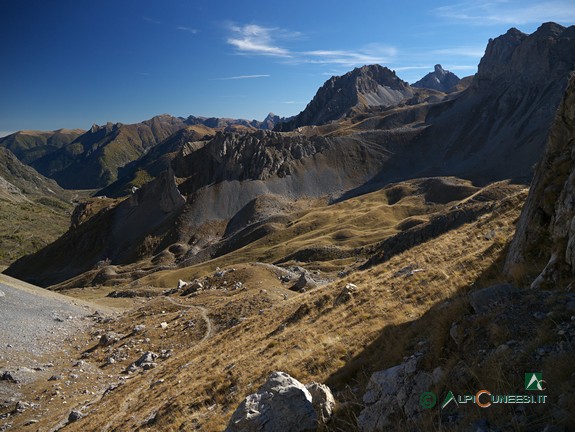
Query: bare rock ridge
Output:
(367,86)
(544,244)
(440,79)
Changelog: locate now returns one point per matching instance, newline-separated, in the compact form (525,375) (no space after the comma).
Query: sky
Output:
(73,63)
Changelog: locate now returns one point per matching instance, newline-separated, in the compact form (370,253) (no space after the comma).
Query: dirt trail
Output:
(203,312)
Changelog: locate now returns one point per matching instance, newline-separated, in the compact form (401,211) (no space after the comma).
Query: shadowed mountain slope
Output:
(34,210)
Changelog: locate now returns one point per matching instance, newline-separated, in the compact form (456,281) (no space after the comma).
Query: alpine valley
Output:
(330,271)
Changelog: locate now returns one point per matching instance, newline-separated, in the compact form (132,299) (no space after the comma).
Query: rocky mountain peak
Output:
(440,79)
(370,85)
(521,60)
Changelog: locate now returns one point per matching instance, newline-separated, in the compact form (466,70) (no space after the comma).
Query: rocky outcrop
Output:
(283,404)
(226,173)
(440,79)
(394,394)
(367,86)
(544,243)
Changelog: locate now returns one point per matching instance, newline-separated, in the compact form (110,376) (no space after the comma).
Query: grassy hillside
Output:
(224,341)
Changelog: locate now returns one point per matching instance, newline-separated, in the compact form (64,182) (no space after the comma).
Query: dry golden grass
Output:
(311,336)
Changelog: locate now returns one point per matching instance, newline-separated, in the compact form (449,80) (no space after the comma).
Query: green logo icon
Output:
(428,400)
(448,399)
(534,381)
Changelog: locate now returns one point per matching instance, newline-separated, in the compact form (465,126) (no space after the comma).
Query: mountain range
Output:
(387,132)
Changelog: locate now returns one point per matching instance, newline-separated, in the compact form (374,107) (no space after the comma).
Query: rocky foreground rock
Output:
(283,404)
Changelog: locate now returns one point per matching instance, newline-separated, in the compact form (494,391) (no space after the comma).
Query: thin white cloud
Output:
(475,52)
(6,133)
(291,102)
(187,29)
(407,68)
(153,21)
(255,39)
(488,12)
(240,77)
(461,67)
(367,55)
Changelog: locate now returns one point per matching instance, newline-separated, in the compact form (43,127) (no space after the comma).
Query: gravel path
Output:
(35,321)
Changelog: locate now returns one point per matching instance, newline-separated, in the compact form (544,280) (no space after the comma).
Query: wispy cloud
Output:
(255,39)
(151,20)
(240,77)
(461,67)
(475,52)
(291,102)
(187,29)
(366,55)
(5,133)
(510,12)
(408,68)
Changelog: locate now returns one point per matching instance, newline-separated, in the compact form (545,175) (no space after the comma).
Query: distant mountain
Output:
(157,160)
(92,160)
(221,123)
(440,79)
(363,87)
(28,146)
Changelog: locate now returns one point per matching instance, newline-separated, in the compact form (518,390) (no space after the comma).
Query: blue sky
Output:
(72,63)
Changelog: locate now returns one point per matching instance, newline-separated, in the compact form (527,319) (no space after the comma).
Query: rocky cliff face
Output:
(544,244)
(498,127)
(367,86)
(439,79)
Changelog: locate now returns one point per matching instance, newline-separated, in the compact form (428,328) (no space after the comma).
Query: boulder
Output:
(304,282)
(282,404)
(393,393)
(482,299)
(322,400)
